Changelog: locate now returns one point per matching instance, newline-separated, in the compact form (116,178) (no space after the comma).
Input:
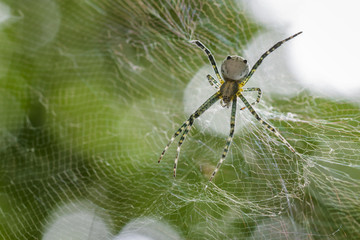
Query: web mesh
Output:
(91,91)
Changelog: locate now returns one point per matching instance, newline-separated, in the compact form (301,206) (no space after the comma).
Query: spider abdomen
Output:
(228,90)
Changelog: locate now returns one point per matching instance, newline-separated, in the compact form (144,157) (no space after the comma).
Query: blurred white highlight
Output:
(325,57)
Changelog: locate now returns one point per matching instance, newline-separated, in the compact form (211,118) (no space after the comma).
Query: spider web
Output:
(91,91)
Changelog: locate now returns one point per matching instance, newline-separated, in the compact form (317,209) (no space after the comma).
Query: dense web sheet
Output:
(91,92)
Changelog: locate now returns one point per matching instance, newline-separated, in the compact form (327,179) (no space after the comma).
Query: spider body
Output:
(236,73)
(234,70)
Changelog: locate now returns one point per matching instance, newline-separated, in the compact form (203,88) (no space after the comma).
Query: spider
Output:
(236,73)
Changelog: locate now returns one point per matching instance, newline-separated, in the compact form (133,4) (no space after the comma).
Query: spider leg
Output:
(210,56)
(181,141)
(258,97)
(267,125)
(213,82)
(186,126)
(229,139)
(257,64)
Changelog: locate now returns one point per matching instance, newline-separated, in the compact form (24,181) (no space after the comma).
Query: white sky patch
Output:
(325,57)
(147,229)
(74,221)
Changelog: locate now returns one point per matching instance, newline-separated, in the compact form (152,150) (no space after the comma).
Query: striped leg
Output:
(211,58)
(181,141)
(257,64)
(258,97)
(213,82)
(267,125)
(229,139)
(186,126)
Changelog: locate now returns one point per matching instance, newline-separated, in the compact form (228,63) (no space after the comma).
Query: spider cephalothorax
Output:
(234,68)
(235,71)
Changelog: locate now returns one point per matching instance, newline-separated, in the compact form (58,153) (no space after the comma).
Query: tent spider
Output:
(235,71)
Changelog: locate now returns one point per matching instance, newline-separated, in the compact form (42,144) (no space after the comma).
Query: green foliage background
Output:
(91,91)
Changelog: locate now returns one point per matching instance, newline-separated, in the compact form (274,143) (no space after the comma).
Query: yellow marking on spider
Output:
(241,85)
